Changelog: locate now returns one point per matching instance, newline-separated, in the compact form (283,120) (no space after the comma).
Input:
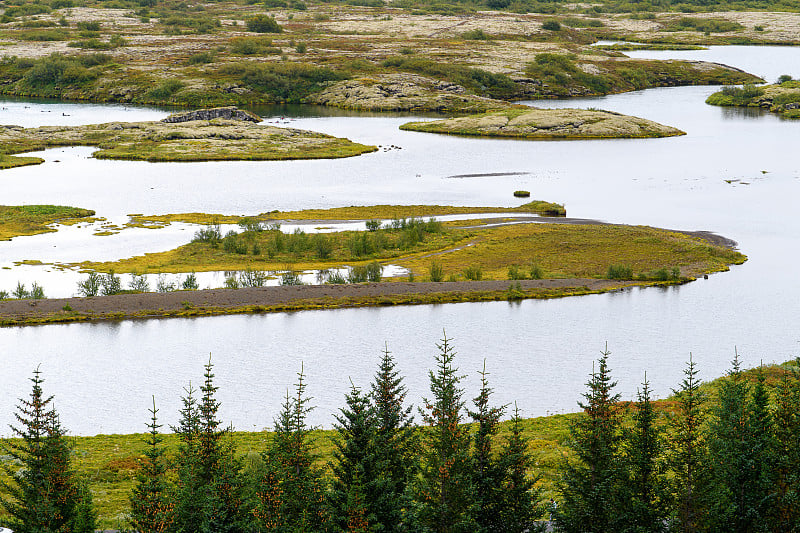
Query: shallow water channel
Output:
(736,172)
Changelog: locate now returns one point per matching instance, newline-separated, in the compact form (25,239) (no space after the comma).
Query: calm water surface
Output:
(735,172)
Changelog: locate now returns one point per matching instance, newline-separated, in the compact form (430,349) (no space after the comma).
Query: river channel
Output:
(736,173)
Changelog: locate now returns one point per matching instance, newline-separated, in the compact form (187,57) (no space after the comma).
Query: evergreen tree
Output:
(188,504)
(354,465)
(290,490)
(45,494)
(151,502)
(444,489)
(487,471)
(688,453)
(395,449)
(520,497)
(646,495)
(591,485)
(209,489)
(736,454)
(785,514)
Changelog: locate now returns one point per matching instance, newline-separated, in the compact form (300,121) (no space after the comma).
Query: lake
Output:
(735,173)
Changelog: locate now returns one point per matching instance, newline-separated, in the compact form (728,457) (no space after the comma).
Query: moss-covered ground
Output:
(197,140)
(17,220)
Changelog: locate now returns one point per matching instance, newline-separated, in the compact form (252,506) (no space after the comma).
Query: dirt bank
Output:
(270,299)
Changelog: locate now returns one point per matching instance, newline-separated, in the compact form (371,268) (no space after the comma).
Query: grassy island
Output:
(217,139)
(781,98)
(548,124)
(18,220)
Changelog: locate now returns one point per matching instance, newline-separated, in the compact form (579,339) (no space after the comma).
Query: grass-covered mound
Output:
(548,124)
(782,98)
(476,249)
(16,220)
(197,140)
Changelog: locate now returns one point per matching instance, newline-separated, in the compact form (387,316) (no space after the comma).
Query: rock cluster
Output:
(227,113)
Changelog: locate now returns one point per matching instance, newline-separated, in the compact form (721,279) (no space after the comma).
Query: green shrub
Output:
(747,91)
(473,273)
(619,272)
(90,286)
(436,271)
(783,78)
(476,35)
(515,273)
(536,271)
(263,24)
(110,284)
(705,25)
(201,58)
(26,10)
(43,35)
(139,283)
(522,194)
(335,278)
(478,80)
(88,26)
(301,48)
(791,97)
(247,46)
(285,82)
(165,90)
(374,272)
(551,25)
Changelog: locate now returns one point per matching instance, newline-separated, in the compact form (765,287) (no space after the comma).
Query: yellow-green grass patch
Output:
(17,220)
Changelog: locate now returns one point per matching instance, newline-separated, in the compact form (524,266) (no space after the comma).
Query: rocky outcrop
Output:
(548,124)
(404,92)
(227,113)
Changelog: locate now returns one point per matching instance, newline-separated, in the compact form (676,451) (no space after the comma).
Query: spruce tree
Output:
(519,504)
(687,458)
(486,468)
(395,449)
(354,465)
(151,502)
(188,503)
(591,484)
(46,496)
(785,515)
(209,489)
(645,507)
(444,490)
(290,495)
(736,454)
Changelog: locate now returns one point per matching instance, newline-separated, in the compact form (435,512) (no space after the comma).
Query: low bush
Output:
(90,286)
(263,24)
(285,82)
(705,25)
(522,194)
(551,25)
(436,271)
(473,273)
(620,272)
(201,58)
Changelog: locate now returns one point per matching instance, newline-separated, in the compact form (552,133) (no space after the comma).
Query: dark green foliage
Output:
(738,448)
(706,25)
(354,465)
(151,502)
(201,58)
(646,493)
(211,234)
(290,488)
(487,470)
(519,505)
(208,490)
(620,272)
(444,489)
(591,484)
(110,284)
(56,71)
(263,24)
(285,82)
(45,495)
(785,514)
(436,271)
(561,70)
(478,80)
(688,453)
(165,89)
(395,448)
(473,273)
(551,25)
